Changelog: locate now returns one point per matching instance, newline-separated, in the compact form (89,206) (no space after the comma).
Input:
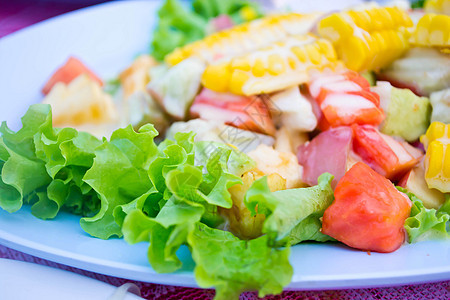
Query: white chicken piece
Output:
(293,110)
(287,141)
(285,164)
(440,101)
(81,102)
(207,130)
(175,88)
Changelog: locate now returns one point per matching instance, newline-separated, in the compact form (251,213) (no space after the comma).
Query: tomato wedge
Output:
(368,212)
(68,72)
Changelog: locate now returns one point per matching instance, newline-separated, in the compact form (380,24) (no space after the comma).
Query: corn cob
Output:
(368,39)
(437,159)
(432,30)
(277,67)
(244,38)
(438,6)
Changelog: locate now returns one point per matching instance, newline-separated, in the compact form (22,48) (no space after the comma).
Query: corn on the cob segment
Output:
(244,38)
(432,30)
(438,6)
(367,39)
(277,67)
(437,159)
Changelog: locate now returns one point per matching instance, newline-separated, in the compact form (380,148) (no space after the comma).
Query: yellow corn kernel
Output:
(237,81)
(313,54)
(258,68)
(435,131)
(241,64)
(432,30)
(437,6)
(440,30)
(299,53)
(245,38)
(216,77)
(436,154)
(369,39)
(397,18)
(377,22)
(273,68)
(446,168)
(437,174)
(437,160)
(292,63)
(384,15)
(276,64)
(362,19)
(327,49)
(353,52)
(335,27)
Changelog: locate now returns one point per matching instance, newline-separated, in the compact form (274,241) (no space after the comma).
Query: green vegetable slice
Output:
(232,265)
(424,223)
(292,213)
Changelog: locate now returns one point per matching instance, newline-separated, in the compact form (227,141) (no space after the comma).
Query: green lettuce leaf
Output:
(232,265)
(237,163)
(166,232)
(21,171)
(46,165)
(445,208)
(308,230)
(209,9)
(286,209)
(177,26)
(424,223)
(119,175)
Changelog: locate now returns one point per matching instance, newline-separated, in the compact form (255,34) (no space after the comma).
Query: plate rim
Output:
(186,279)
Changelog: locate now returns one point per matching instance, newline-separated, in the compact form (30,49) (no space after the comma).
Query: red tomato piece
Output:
(384,154)
(68,72)
(248,113)
(368,212)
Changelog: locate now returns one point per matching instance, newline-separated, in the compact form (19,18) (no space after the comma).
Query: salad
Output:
(243,133)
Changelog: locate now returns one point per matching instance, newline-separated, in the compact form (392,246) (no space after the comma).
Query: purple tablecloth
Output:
(18,14)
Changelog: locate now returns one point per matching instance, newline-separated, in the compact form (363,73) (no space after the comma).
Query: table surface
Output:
(18,14)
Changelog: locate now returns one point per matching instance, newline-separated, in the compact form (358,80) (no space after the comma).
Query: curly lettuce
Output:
(424,223)
(44,166)
(233,265)
(125,159)
(292,215)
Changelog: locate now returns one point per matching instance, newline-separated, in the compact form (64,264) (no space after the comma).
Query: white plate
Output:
(21,281)
(107,37)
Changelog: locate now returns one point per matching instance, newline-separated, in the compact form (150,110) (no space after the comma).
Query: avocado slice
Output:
(407,115)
